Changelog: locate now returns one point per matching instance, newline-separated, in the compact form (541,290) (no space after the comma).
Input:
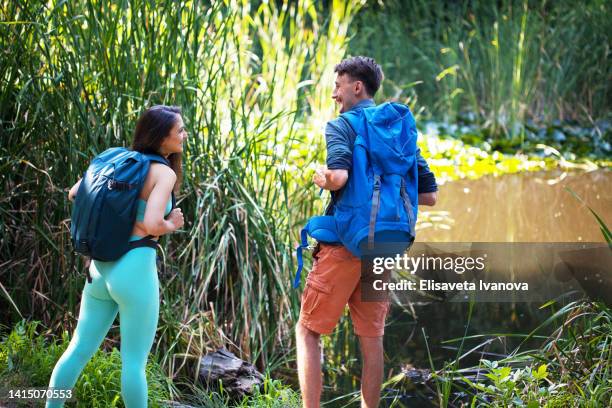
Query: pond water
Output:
(526,207)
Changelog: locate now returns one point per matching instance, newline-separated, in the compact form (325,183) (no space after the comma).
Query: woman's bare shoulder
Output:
(159,171)
(158,174)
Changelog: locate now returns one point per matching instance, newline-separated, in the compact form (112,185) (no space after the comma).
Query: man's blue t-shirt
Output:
(340,139)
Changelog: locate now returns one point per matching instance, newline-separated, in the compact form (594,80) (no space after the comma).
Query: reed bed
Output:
(253,81)
(496,64)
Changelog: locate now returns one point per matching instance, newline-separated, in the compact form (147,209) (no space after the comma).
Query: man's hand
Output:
(428,198)
(330,179)
(320,177)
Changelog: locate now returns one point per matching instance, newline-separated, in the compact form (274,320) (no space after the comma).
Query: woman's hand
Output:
(176,218)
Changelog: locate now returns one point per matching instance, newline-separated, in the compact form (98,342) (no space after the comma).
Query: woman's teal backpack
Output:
(376,211)
(105,206)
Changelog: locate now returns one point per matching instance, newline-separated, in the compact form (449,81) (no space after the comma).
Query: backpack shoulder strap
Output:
(350,118)
(156,158)
(356,119)
(159,159)
(173,198)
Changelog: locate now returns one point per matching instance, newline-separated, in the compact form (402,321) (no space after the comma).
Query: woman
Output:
(129,285)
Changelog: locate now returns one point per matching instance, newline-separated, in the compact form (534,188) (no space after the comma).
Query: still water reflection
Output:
(525,207)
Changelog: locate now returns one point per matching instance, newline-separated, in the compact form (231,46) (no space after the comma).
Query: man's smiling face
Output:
(346,91)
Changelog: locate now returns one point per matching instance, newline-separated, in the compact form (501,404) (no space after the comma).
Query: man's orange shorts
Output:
(333,282)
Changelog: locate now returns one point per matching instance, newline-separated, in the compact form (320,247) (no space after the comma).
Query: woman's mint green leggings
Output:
(128,286)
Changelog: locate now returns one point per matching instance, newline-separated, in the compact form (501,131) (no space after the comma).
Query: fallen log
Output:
(238,377)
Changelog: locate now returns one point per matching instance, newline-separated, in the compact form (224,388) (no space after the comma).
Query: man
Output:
(334,280)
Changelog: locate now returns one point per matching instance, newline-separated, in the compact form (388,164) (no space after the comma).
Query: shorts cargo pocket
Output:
(314,294)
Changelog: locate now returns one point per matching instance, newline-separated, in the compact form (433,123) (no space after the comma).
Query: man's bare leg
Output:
(309,365)
(372,371)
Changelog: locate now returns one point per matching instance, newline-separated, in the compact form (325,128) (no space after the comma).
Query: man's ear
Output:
(358,87)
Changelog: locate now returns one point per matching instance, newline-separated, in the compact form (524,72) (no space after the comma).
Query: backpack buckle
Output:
(119,185)
(377,182)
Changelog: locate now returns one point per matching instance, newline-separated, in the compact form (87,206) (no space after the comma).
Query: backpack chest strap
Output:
(374,211)
(408,206)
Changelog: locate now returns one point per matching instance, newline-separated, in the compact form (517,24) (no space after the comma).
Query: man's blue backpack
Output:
(376,211)
(106,202)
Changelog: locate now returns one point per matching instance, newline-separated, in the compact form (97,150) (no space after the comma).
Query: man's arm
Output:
(427,182)
(339,156)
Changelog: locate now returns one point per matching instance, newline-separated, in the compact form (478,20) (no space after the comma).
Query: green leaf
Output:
(602,225)
(504,372)
(550,302)
(452,70)
(541,373)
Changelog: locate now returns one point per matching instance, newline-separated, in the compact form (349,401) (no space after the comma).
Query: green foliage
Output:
(523,387)
(572,368)
(504,62)
(457,155)
(575,365)
(572,141)
(271,394)
(451,159)
(27,360)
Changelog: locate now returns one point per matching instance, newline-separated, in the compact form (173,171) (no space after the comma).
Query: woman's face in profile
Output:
(173,143)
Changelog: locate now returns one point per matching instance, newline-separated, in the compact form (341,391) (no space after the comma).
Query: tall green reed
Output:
(252,80)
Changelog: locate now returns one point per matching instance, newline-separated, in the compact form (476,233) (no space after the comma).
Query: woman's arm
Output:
(73,190)
(154,222)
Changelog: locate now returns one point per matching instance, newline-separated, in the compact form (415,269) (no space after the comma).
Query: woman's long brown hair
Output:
(152,128)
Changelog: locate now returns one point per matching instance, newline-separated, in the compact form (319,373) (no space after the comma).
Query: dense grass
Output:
(572,368)
(500,64)
(253,82)
(27,360)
